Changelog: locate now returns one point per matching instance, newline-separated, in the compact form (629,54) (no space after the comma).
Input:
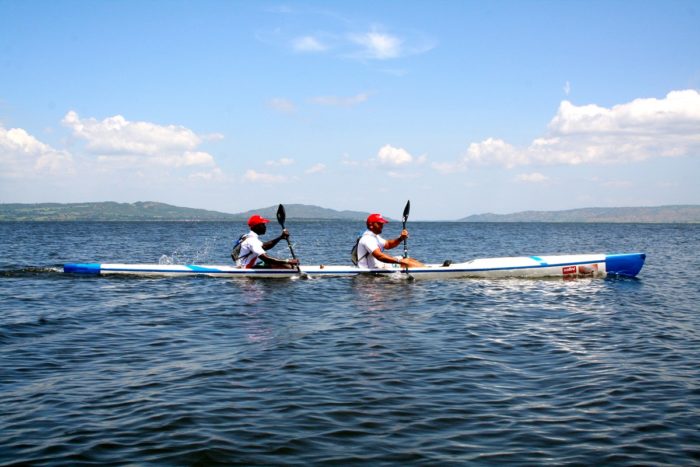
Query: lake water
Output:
(347,371)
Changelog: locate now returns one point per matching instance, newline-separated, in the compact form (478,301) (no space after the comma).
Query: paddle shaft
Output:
(406,211)
(291,250)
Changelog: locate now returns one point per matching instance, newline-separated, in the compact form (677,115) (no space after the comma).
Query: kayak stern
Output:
(82,268)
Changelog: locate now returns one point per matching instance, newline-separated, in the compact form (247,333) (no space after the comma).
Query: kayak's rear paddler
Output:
(370,249)
(249,248)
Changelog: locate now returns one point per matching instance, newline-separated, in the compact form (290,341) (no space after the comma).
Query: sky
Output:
(463,107)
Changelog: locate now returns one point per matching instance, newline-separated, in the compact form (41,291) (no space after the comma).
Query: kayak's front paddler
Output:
(249,249)
(370,249)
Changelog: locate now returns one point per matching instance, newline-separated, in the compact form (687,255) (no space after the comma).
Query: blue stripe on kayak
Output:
(201,269)
(539,260)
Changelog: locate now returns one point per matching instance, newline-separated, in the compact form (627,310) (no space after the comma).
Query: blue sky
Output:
(462,107)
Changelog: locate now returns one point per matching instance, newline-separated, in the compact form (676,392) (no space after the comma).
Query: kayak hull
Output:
(592,265)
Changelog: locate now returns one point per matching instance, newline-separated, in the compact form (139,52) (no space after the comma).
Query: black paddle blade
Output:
(406,210)
(281,215)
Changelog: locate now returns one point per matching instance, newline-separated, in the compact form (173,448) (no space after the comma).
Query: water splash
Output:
(165,259)
(193,254)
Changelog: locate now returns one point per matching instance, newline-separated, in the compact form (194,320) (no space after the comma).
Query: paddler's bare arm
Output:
(404,262)
(278,262)
(271,243)
(393,243)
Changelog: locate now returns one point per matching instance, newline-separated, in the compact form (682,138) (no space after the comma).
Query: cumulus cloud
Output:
(494,151)
(190,158)
(121,143)
(341,101)
(21,154)
(592,134)
(116,135)
(679,111)
(389,155)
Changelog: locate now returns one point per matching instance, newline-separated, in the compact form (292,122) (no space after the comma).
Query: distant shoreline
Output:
(161,212)
(674,214)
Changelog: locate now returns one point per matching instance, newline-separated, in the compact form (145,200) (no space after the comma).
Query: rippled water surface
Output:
(113,370)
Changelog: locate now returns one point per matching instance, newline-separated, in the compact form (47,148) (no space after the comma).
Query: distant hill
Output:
(658,214)
(152,211)
(305,211)
(107,211)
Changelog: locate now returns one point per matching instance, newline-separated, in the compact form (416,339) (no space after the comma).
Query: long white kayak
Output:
(590,265)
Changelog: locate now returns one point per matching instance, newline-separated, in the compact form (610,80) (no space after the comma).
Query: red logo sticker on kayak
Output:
(568,270)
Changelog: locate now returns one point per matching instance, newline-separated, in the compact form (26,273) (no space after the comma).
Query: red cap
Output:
(376,218)
(255,220)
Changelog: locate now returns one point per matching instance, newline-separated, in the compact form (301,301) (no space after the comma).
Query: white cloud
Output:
(679,111)
(316,168)
(281,105)
(567,88)
(253,176)
(21,154)
(376,45)
(389,155)
(308,44)
(190,158)
(116,135)
(534,177)
(494,152)
(342,37)
(591,134)
(122,144)
(341,101)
